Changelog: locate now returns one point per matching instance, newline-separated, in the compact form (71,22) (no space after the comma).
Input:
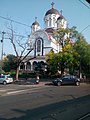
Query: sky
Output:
(76,12)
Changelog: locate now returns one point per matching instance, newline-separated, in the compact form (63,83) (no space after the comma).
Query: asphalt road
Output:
(44,102)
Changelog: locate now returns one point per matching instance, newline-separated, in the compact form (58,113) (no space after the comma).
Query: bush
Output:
(27,75)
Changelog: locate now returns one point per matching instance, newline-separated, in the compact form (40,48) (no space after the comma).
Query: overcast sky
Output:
(77,13)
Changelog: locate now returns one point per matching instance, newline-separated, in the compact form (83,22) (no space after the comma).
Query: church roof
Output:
(49,30)
(61,17)
(52,11)
(35,23)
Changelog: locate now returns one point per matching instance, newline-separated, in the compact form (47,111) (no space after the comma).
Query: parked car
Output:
(4,79)
(68,79)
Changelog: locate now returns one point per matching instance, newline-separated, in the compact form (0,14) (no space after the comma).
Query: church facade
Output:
(41,41)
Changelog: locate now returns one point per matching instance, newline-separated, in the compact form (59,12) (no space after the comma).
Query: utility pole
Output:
(2,45)
(2,51)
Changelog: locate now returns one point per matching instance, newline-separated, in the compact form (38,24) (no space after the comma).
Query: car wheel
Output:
(58,83)
(4,82)
(77,83)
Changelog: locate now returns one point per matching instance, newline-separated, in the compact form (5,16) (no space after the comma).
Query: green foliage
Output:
(60,61)
(83,49)
(9,63)
(27,75)
(74,56)
(51,59)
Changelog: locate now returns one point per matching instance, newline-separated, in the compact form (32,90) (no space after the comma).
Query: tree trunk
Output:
(62,69)
(17,73)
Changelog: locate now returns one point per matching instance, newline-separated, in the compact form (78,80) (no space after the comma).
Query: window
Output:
(39,46)
(50,22)
(54,21)
(8,76)
(2,76)
(67,77)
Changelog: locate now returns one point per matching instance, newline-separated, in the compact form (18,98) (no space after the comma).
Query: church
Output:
(41,40)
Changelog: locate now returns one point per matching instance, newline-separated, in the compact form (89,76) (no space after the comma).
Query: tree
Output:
(61,35)
(9,63)
(83,49)
(87,66)
(60,61)
(65,37)
(67,58)
(20,46)
(51,62)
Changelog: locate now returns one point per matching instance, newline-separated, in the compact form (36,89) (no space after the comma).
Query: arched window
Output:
(35,64)
(39,46)
(22,66)
(28,66)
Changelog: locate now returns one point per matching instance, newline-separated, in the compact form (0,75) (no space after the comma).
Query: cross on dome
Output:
(52,4)
(61,12)
(35,18)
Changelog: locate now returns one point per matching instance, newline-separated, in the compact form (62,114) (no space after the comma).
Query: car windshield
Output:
(66,77)
(8,76)
(3,76)
(72,76)
(69,76)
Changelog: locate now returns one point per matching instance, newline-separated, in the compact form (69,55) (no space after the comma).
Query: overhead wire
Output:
(89,9)
(15,21)
(11,20)
(16,35)
(85,28)
(84,4)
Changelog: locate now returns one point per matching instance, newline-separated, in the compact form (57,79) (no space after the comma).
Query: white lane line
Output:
(6,89)
(16,92)
(85,116)
(3,90)
(20,91)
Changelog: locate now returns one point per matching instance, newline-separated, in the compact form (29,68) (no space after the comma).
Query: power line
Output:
(15,21)
(84,4)
(89,9)
(85,28)
(15,35)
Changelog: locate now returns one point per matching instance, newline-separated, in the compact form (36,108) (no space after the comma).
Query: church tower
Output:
(61,21)
(35,26)
(50,18)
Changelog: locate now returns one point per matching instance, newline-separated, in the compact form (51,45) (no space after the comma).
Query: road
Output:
(44,102)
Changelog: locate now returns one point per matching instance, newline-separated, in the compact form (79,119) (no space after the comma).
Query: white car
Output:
(4,79)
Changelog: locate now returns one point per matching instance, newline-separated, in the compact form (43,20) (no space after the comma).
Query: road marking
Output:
(84,117)
(3,90)
(20,91)
(6,89)
(15,92)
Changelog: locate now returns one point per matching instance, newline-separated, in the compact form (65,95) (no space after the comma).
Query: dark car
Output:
(67,80)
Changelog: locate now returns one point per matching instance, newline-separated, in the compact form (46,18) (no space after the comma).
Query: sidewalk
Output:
(31,82)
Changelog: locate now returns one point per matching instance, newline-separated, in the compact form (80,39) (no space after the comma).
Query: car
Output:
(4,79)
(67,80)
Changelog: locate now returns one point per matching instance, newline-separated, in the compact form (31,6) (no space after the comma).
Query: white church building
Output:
(42,39)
